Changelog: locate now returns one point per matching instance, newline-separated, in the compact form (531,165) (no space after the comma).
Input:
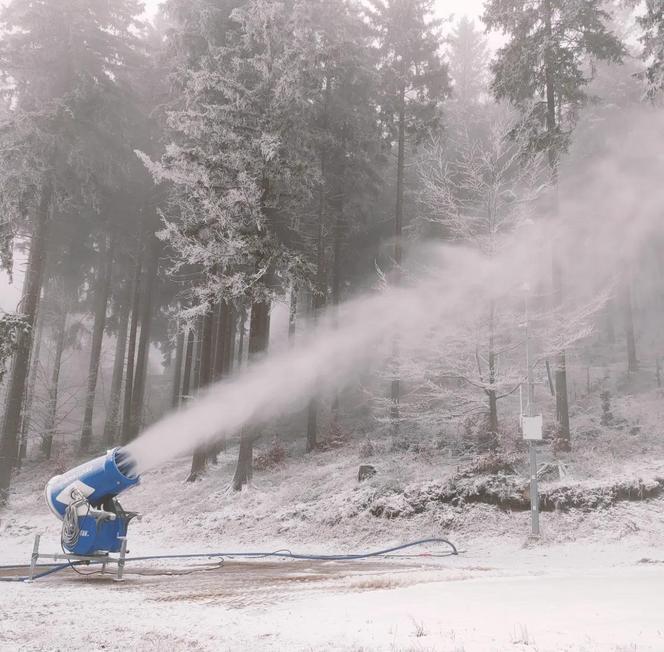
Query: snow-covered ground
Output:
(594,582)
(553,598)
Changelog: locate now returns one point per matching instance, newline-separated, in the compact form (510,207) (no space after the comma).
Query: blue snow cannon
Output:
(85,500)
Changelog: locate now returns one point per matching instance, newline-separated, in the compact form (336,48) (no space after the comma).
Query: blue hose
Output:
(281,554)
(52,569)
(287,554)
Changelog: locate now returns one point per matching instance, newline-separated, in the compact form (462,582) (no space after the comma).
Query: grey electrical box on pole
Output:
(531,428)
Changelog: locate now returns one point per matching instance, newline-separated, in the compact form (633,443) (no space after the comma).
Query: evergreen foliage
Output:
(548,59)
(651,23)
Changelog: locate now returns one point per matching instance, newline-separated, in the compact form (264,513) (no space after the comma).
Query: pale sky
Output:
(11,293)
(471,8)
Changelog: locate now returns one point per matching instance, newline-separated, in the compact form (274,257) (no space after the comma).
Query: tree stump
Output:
(366,471)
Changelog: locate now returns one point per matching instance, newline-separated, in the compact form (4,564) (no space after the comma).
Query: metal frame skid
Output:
(101,559)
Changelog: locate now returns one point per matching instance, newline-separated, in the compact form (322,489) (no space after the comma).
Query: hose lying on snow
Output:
(281,554)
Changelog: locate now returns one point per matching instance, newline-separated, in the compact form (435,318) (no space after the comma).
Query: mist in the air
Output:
(609,212)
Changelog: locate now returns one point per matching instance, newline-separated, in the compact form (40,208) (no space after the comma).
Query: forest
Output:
(184,196)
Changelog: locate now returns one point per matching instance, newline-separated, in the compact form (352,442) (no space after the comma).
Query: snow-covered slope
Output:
(592,583)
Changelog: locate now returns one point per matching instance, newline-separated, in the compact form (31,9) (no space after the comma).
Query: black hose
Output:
(287,554)
(71,529)
(280,554)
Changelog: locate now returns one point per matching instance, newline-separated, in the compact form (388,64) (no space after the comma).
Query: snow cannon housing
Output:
(85,499)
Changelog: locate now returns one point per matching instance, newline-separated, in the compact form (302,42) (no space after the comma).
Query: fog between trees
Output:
(379,176)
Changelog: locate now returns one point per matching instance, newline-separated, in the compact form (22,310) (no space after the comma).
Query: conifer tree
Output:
(61,63)
(651,22)
(468,56)
(335,43)
(243,168)
(414,81)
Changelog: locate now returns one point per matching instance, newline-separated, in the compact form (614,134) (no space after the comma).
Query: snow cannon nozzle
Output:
(85,499)
(126,463)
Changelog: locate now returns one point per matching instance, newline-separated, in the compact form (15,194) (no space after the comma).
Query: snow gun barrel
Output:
(97,481)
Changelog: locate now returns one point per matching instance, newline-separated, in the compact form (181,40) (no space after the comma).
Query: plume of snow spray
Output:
(609,208)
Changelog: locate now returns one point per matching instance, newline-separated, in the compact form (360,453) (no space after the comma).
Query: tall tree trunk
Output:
(312,410)
(610,326)
(140,377)
(186,378)
(26,412)
(196,362)
(188,362)
(223,354)
(240,346)
(339,238)
(395,392)
(206,347)
(493,419)
(225,351)
(60,329)
(401,168)
(562,401)
(336,268)
(210,328)
(549,66)
(244,469)
(292,314)
(102,292)
(111,427)
(198,352)
(259,337)
(176,396)
(632,362)
(131,348)
(219,341)
(318,301)
(492,442)
(231,333)
(259,328)
(312,425)
(19,370)
(225,345)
